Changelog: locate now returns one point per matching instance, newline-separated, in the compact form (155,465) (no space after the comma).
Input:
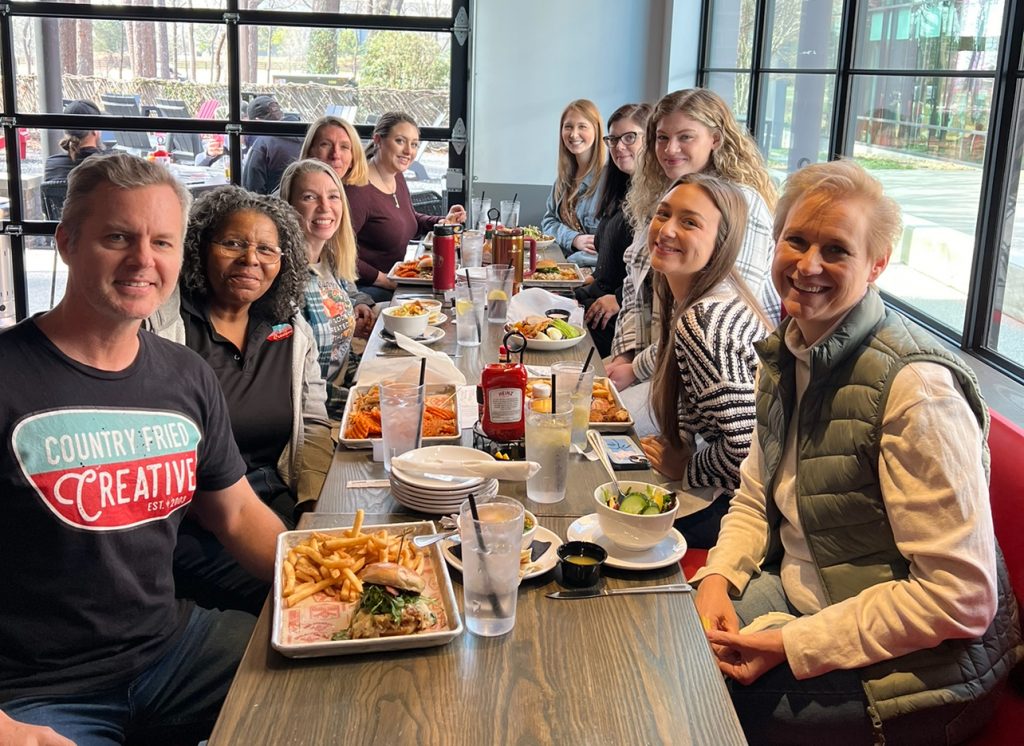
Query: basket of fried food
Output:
(361,589)
(606,411)
(361,421)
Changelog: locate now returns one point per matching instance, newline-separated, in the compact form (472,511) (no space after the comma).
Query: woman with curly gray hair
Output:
(242,284)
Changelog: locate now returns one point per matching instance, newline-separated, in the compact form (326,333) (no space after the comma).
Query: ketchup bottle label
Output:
(505,405)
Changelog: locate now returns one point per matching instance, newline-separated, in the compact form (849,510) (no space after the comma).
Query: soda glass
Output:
(490,564)
(401,414)
(578,390)
(548,435)
(470,290)
(499,291)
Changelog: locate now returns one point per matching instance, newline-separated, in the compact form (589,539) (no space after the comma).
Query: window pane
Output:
(1007,333)
(428,170)
(7,310)
(731,36)
(734,88)
(357,74)
(46,273)
(181,63)
(802,34)
(925,138)
(429,8)
(215,4)
(898,35)
(796,116)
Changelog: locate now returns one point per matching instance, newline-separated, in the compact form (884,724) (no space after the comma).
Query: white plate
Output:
(438,507)
(437,318)
(544,563)
(669,550)
(430,335)
(553,344)
(441,452)
(409,280)
(417,493)
(533,280)
(433,389)
(612,427)
(289,539)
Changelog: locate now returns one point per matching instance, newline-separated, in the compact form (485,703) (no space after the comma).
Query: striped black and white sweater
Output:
(714,347)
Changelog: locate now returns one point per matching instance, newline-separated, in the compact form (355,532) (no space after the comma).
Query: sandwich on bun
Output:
(547,268)
(426,262)
(391,604)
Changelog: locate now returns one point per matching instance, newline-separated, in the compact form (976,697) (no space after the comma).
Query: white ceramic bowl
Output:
(634,533)
(411,326)
(553,344)
(529,533)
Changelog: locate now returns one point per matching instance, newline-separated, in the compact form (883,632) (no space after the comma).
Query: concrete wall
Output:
(531,57)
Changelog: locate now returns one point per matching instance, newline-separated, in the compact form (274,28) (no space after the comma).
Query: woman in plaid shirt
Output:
(334,308)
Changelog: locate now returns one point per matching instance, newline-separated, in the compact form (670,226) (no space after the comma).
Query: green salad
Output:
(649,501)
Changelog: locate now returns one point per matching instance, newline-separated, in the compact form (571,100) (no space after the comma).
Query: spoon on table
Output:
(426,540)
(594,438)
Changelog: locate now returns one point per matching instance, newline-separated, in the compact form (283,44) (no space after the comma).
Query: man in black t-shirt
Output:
(108,435)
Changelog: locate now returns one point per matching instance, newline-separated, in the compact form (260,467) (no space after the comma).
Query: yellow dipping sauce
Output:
(579,559)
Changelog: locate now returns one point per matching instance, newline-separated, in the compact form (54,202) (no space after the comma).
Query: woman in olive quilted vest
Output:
(856,592)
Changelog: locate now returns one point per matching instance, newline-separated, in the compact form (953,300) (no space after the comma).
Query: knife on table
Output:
(595,593)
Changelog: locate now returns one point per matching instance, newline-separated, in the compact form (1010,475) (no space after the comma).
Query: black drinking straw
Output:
(583,370)
(495,601)
(476,316)
(554,394)
(421,396)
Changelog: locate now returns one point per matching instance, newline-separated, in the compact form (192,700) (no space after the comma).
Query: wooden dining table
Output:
(624,669)
(632,669)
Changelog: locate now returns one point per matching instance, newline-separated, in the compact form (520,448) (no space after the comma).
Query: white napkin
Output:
(440,368)
(512,471)
(537,301)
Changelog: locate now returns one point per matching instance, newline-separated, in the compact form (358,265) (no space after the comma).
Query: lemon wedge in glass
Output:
(497,295)
(463,307)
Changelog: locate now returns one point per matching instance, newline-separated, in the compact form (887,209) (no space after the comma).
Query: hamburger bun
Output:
(548,264)
(425,262)
(393,575)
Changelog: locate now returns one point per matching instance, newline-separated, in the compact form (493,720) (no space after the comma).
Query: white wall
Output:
(531,57)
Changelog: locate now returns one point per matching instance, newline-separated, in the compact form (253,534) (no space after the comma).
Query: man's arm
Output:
(246,527)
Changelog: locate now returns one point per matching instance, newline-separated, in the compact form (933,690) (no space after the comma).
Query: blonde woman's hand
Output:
(457,214)
(584,242)
(602,311)
(364,320)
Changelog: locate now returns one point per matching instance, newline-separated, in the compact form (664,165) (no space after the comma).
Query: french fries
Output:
(330,564)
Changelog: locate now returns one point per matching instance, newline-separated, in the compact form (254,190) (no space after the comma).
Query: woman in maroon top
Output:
(382,213)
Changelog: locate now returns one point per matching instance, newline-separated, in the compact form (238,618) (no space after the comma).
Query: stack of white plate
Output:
(438,495)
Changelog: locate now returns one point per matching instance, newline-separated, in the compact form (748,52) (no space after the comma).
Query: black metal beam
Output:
(12,222)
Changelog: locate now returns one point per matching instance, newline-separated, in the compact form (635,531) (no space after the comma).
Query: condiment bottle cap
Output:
(542,391)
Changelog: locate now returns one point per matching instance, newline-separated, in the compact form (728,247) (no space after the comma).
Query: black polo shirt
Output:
(256,383)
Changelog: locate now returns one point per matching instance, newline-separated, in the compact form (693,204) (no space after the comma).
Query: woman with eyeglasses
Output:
(571,215)
(335,310)
(602,296)
(689,131)
(242,282)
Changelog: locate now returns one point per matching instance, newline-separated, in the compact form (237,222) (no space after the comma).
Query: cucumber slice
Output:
(651,509)
(634,503)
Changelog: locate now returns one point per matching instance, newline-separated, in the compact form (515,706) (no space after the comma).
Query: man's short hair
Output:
(121,171)
(264,107)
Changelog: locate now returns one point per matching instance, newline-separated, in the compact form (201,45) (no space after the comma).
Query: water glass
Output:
(490,564)
(579,391)
(509,212)
(401,414)
(472,248)
(470,289)
(479,209)
(548,435)
(499,291)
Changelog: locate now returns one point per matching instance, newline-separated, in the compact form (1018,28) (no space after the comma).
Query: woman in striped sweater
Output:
(704,378)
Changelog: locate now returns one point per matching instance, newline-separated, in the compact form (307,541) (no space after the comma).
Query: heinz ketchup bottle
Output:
(504,393)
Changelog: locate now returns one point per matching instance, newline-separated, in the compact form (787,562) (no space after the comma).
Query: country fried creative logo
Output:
(105,469)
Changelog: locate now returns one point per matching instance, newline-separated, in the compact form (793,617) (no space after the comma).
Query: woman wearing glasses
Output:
(571,215)
(242,283)
(602,297)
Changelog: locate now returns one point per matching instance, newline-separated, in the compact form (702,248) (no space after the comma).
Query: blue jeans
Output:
(778,708)
(176,700)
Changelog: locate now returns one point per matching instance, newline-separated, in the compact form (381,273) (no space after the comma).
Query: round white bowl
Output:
(634,533)
(411,326)
(528,533)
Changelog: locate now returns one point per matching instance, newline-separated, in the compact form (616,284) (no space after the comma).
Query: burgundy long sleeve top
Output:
(383,231)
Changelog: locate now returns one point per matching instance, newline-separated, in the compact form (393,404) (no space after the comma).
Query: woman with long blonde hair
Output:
(689,131)
(703,383)
(571,215)
(331,304)
(335,141)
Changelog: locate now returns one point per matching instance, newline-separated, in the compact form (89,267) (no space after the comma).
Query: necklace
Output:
(394,194)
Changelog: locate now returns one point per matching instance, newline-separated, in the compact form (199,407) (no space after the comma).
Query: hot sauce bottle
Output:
(504,391)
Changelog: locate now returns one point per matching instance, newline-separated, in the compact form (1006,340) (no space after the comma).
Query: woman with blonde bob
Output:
(335,141)
(571,215)
(704,380)
(689,131)
(333,307)
(858,555)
